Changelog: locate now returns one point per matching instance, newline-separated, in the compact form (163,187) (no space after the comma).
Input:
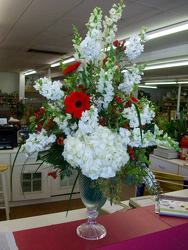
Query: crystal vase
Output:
(93,199)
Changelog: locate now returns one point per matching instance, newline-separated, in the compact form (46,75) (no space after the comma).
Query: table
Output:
(121,226)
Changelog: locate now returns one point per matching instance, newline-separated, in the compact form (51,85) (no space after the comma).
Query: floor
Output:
(40,209)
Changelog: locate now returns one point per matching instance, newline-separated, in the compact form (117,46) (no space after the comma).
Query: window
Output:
(31,182)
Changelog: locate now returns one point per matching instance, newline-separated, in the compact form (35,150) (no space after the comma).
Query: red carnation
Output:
(53,174)
(102,121)
(131,153)
(81,87)
(116,43)
(39,113)
(49,123)
(118,99)
(60,140)
(134,99)
(76,103)
(71,68)
(41,110)
(39,127)
(127,104)
(37,116)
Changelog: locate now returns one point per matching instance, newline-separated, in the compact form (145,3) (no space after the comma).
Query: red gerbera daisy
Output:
(71,68)
(76,103)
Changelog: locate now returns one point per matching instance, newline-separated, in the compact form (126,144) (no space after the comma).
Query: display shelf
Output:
(8,104)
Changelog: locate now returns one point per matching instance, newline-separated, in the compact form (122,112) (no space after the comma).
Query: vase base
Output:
(91,231)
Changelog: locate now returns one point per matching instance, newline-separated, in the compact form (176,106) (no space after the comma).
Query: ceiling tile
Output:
(37,19)
(163,4)
(10,13)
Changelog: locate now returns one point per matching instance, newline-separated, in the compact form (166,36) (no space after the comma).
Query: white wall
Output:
(9,82)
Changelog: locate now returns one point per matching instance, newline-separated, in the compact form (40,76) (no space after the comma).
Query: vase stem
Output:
(92,215)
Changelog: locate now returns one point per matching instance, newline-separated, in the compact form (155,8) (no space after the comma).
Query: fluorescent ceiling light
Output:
(55,64)
(31,72)
(159,83)
(147,87)
(69,60)
(168,30)
(166,65)
(183,82)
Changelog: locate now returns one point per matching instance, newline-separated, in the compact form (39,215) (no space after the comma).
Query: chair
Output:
(3,169)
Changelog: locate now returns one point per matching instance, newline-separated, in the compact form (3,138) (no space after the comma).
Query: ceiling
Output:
(47,25)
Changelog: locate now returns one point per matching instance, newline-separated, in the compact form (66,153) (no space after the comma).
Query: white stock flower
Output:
(38,142)
(109,23)
(130,79)
(50,90)
(89,121)
(146,115)
(105,86)
(90,49)
(149,179)
(100,154)
(63,124)
(134,47)
(149,138)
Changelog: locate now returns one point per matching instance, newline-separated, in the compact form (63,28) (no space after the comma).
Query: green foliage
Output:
(54,157)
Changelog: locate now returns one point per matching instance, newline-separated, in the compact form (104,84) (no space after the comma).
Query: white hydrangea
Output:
(146,115)
(134,47)
(38,142)
(129,80)
(105,86)
(89,121)
(62,122)
(100,154)
(50,90)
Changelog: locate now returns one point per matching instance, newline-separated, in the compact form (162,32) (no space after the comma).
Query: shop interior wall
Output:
(9,82)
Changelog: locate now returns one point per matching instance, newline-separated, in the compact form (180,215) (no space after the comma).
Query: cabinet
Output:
(30,181)
(64,187)
(173,166)
(172,174)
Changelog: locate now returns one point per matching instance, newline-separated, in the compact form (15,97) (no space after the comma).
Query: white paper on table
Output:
(7,241)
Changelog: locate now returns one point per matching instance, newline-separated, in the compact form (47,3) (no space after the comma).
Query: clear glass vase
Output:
(93,199)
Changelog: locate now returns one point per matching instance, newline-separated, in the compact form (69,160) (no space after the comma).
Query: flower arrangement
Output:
(92,122)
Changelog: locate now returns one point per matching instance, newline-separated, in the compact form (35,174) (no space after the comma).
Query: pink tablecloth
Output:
(174,238)
(120,226)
